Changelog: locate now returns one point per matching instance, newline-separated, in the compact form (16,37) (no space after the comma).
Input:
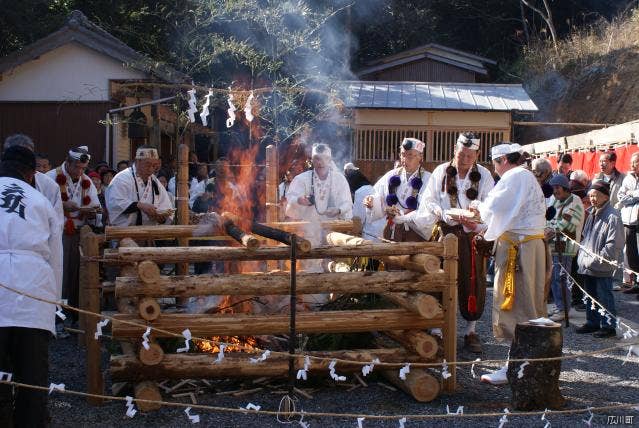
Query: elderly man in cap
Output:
(398,195)
(135,196)
(514,213)
(43,183)
(453,186)
(31,260)
(81,204)
(603,237)
(561,229)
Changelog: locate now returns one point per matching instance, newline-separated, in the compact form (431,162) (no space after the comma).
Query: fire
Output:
(234,344)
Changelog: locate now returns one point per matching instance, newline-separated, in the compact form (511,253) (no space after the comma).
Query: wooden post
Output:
(272,201)
(449,301)
(90,282)
(182,199)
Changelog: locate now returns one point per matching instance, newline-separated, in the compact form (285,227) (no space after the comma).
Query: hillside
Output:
(591,77)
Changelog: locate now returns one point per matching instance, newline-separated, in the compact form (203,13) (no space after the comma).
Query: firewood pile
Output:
(422,293)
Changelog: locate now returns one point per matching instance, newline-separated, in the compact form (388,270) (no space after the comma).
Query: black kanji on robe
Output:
(11,198)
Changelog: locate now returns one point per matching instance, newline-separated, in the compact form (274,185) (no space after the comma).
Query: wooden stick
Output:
(420,303)
(307,322)
(449,301)
(202,254)
(303,245)
(229,224)
(416,341)
(275,283)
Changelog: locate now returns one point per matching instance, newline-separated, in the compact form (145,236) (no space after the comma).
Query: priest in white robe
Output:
(136,197)
(31,260)
(398,195)
(514,213)
(452,186)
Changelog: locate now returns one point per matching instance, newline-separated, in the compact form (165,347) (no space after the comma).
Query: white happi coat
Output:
(330,193)
(30,256)
(417,223)
(74,190)
(516,204)
(50,189)
(435,197)
(122,193)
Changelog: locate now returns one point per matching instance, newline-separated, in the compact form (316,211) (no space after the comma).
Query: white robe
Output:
(50,189)
(435,197)
(516,204)
(122,193)
(418,223)
(372,229)
(74,190)
(30,256)
(330,193)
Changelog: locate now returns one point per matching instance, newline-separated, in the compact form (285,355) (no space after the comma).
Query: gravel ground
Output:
(589,381)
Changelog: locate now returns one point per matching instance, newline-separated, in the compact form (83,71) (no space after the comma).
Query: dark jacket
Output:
(602,235)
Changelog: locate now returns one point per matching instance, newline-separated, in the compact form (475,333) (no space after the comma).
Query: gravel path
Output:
(590,381)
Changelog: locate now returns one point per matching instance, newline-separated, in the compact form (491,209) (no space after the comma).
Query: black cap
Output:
(21,155)
(601,186)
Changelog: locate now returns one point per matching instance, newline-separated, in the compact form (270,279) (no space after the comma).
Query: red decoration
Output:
(86,200)
(85,184)
(69,227)
(61,179)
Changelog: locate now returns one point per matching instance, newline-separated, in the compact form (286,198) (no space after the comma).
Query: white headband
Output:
(320,149)
(470,143)
(80,153)
(504,149)
(146,153)
(412,144)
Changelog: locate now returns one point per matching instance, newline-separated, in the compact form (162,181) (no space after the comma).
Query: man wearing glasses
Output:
(80,204)
(398,195)
(453,186)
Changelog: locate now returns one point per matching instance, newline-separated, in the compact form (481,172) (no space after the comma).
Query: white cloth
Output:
(170,187)
(50,189)
(30,256)
(196,189)
(413,219)
(282,189)
(74,190)
(330,193)
(372,229)
(122,193)
(516,204)
(436,200)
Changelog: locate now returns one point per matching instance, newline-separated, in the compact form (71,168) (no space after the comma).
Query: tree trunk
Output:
(149,309)
(419,384)
(307,322)
(538,388)
(264,284)
(419,342)
(148,271)
(423,304)
(152,356)
(147,391)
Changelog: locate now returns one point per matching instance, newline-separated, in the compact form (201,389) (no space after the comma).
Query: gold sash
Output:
(511,262)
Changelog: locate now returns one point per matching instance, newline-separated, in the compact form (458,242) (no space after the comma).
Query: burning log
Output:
(425,263)
(416,341)
(204,365)
(351,226)
(419,384)
(276,283)
(147,390)
(203,254)
(419,303)
(350,321)
(303,245)
(249,241)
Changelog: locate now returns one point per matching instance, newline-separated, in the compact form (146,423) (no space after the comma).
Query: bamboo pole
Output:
(182,200)
(237,365)
(350,321)
(275,283)
(202,254)
(449,301)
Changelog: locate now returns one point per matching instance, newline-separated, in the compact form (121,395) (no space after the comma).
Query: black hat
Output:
(21,155)
(601,186)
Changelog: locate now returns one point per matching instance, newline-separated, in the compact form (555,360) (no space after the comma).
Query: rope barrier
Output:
(325,414)
(317,358)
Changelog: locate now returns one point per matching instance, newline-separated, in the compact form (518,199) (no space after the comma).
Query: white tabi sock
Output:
(470,327)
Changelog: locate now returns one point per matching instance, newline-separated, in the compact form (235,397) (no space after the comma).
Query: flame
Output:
(234,344)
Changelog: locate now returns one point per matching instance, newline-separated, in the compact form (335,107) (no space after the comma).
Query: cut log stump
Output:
(147,390)
(538,386)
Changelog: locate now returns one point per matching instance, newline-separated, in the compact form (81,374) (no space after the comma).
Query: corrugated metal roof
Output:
(436,96)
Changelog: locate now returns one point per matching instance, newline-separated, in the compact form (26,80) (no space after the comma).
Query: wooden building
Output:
(59,89)
(383,113)
(428,63)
